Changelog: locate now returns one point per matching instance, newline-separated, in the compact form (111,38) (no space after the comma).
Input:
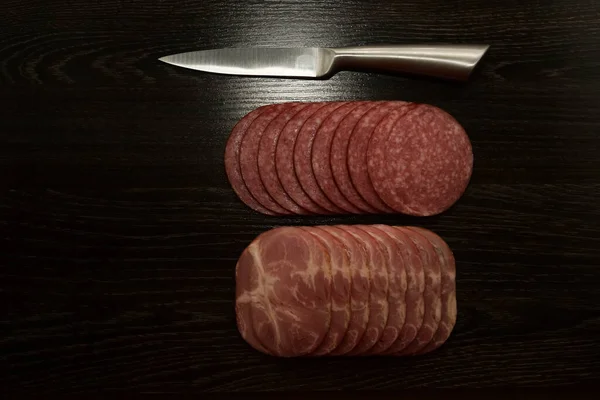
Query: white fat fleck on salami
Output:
(249,158)
(431,295)
(448,292)
(232,160)
(303,154)
(397,288)
(321,153)
(359,290)
(428,162)
(290,298)
(339,156)
(340,290)
(284,160)
(266,160)
(378,305)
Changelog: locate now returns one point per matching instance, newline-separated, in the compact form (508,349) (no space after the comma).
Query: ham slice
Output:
(346,290)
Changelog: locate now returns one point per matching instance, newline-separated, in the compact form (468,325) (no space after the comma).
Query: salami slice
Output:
(448,318)
(397,288)
(375,159)
(266,160)
(431,295)
(359,290)
(303,153)
(429,162)
(378,305)
(321,153)
(284,156)
(249,158)
(340,291)
(339,157)
(415,279)
(357,154)
(292,315)
(232,161)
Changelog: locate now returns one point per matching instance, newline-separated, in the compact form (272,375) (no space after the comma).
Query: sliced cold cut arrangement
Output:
(347,157)
(351,290)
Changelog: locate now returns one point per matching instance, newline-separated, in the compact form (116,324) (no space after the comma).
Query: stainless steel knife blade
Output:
(288,62)
(442,61)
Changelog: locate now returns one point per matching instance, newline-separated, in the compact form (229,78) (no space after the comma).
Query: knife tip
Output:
(165,59)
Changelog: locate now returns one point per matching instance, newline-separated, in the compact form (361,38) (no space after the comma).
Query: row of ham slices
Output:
(348,157)
(346,290)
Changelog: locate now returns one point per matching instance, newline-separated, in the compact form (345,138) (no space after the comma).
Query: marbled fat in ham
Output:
(289,298)
(346,290)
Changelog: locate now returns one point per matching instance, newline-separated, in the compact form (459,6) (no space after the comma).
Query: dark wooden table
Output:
(119,232)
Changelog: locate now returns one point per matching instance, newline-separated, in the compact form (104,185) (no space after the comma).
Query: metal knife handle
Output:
(454,62)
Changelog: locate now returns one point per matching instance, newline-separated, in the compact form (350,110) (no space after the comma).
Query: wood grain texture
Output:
(119,232)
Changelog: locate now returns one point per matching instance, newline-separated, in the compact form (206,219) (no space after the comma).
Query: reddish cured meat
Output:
(303,153)
(357,153)
(349,157)
(232,161)
(249,158)
(339,156)
(415,279)
(375,158)
(378,305)
(359,290)
(396,290)
(290,299)
(321,154)
(448,293)
(340,290)
(266,160)
(284,156)
(312,291)
(431,295)
(248,296)
(429,162)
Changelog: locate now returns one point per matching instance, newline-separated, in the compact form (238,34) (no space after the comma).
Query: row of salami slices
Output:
(346,290)
(353,157)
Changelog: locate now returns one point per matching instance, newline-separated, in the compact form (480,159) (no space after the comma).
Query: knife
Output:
(455,62)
